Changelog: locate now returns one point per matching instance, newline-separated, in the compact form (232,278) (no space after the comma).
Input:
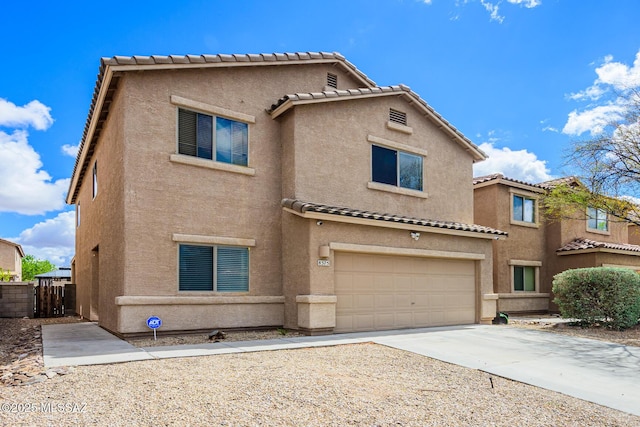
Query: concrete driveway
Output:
(596,371)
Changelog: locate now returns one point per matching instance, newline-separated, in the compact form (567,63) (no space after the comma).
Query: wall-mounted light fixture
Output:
(415,235)
(324,251)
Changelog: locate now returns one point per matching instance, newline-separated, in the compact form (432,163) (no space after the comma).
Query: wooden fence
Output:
(54,299)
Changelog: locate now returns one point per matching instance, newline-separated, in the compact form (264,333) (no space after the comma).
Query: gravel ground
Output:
(363,384)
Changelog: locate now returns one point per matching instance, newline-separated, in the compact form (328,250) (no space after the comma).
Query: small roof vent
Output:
(397,116)
(332,80)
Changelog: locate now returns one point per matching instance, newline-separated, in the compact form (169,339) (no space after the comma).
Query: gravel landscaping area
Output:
(363,384)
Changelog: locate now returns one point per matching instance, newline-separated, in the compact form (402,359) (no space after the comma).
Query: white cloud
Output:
(593,120)
(521,164)
(70,150)
(529,4)
(52,239)
(614,79)
(611,75)
(24,187)
(493,10)
(34,114)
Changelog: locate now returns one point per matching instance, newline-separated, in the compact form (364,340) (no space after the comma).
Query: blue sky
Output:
(520,78)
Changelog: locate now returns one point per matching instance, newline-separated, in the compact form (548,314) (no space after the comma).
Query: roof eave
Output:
(394,225)
(593,250)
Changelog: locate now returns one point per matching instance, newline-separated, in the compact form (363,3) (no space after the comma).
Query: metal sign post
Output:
(154,322)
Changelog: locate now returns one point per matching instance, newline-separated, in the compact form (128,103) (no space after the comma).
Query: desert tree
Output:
(607,167)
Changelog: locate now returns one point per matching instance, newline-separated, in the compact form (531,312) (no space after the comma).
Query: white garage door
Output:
(388,292)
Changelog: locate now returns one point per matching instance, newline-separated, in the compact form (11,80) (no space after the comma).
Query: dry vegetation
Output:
(363,384)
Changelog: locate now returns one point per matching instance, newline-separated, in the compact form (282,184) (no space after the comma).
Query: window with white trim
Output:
(213,268)
(597,219)
(212,137)
(524,278)
(524,209)
(395,167)
(78,215)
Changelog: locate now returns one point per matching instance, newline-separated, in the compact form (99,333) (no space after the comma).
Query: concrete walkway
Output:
(596,371)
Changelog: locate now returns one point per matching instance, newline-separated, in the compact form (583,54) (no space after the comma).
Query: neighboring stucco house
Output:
(11,255)
(537,248)
(245,191)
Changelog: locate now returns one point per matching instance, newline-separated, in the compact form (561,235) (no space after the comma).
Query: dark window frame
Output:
(388,167)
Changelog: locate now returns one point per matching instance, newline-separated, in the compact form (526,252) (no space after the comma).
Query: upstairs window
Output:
(213,138)
(95,180)
(597,219)
(213,268)
(524,209)
(396,167)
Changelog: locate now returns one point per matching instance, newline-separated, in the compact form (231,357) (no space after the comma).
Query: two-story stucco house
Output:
(11,255)
(539,248)
(244,191)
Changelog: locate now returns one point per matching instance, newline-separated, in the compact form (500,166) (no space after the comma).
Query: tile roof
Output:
(302,207)
(333,95)
(582,244)
(499,176)
(107,81)
(548,185)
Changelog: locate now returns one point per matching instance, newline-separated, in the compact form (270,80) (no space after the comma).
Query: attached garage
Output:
(377,292)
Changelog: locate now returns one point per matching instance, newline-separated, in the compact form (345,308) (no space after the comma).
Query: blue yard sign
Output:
(154,322)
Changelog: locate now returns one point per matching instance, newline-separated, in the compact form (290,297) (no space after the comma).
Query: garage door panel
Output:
(385,302)
(386,292)
(385,321)
(344,283)
(363,322)
(403,283)
(402,320)
(364,302)
(345,302)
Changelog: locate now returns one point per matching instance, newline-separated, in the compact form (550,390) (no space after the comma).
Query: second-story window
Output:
(395,167)
(95,180)
(214,138)
(524,209)
(597,219)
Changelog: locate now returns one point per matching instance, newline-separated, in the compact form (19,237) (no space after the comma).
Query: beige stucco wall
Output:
(525,243)
(137,255)
(99,274)
(10,260)
(147,197)
(332,158)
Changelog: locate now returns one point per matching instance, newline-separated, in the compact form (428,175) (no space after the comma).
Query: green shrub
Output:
(599,295)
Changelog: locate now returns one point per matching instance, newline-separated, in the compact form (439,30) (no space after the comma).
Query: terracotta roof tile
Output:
(555,182)
(582,244)
(302,207)
(499,176)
